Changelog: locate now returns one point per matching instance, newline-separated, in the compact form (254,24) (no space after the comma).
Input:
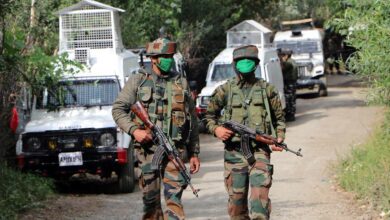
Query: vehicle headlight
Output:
(34,143)
(52,144)
(88,142)
(107,139)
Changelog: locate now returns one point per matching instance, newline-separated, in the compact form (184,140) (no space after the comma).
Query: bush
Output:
(366,171)
(21,191)
(365,24)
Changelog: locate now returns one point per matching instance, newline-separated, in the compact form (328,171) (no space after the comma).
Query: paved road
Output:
(326,128)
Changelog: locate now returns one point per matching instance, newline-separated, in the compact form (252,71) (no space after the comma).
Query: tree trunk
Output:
(2,29)
(33,22)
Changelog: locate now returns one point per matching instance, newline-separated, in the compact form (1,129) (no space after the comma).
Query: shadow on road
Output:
(89,184)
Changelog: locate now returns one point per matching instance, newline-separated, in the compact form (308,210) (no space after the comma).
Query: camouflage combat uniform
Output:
(290,76)
(244,101)
(169,105)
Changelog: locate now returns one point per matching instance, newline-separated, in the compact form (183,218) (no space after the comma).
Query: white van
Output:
(71,129)
(305,42)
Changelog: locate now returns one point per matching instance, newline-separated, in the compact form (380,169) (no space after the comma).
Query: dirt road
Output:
(326,128)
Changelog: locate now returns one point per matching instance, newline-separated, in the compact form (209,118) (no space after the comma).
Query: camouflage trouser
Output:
(291,97)
(239,176)
(150,183)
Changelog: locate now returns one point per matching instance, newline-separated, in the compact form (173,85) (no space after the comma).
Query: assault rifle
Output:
(247,133)
(164,146)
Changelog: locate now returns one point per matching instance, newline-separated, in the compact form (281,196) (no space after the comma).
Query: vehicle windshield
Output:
(299,47)
(83,93)
(226,71)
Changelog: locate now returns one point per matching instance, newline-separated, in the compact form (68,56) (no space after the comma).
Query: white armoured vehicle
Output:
(221,69)
(305,42)
(71,129)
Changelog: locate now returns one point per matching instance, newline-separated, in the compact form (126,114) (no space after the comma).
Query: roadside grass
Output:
(21,191)
(366,171)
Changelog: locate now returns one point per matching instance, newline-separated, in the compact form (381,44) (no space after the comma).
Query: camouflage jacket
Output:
(253,109)
(290,71)
(132,92)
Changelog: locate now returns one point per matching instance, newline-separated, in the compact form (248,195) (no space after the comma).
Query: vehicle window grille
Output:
(81,55)
(87,30)
(244,38)
(299,47)
(86,93)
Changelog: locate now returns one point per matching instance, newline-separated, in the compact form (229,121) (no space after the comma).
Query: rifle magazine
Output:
(157,158)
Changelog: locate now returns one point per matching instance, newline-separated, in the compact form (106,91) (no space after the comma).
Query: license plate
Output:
(70,159)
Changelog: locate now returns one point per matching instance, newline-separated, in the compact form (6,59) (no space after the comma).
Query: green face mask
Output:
(165,64)
(246,66)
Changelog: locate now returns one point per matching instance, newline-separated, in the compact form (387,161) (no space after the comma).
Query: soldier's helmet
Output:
(161,46)
(249,52)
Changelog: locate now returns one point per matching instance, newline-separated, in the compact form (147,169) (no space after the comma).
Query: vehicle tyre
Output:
(126,175)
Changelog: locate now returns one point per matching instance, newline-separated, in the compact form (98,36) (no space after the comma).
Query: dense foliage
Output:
(20,191)
(366,25)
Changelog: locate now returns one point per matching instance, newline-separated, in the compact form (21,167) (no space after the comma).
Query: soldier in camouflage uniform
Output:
(166,96)
(254,103)
(290,77)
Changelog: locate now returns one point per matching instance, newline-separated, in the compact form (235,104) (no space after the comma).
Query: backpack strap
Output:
(266,102)
(228,110)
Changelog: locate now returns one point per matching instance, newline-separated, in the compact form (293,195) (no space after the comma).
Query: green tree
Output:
(366,25)
(25,59)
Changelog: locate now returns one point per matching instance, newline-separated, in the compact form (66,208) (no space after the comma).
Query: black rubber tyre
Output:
(126,175)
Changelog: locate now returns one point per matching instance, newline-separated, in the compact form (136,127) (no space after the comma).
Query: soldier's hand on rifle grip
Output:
(276,148)
(194,165)
(142,136)
(223,133)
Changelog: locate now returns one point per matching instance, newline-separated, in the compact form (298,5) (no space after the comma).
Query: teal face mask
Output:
(246,66)
(165,64)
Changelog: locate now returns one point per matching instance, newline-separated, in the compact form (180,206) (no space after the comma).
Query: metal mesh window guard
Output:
(81,55)
(299,47)
(87,30)
(85,93)
(244,38)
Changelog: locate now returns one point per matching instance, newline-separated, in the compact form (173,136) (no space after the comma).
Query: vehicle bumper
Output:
(305,86)
(95,162)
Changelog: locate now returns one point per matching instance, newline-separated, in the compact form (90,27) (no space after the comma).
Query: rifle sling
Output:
(266,102)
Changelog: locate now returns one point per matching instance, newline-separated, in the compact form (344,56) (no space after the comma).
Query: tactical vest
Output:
(250,110)
(166,106)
